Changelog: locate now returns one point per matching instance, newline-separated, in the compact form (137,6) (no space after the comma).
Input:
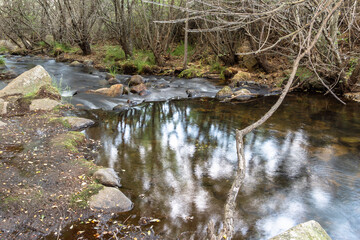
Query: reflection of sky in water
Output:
(183,159)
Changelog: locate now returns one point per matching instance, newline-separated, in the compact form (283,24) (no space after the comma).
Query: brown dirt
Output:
(37,180)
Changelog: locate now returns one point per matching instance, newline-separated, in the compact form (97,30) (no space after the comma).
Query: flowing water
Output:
(177,159)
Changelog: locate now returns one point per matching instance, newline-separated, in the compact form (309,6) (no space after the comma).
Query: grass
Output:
(2,61)
(80,199)
(113,54)
(180,50)
(191,72)
(3,49)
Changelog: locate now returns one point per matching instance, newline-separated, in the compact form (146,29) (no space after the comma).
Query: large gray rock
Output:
(111,199)
(77,123)
(45,104)
(2,124)
(28,82)
(310,230)
(76,64)
(107,177)
(8,45)
(3,106)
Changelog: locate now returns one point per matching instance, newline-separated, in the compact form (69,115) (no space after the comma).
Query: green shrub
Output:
(179,50)
(2,61)
(190,73)
(114,54)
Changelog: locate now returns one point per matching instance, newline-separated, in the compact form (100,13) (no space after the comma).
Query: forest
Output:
(260,36)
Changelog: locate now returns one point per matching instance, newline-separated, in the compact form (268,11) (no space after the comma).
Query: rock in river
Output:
(107,177)
(135,80)
(111,199)
(310,230)
(113,91)
(28,82)
(77,123)
(225,92)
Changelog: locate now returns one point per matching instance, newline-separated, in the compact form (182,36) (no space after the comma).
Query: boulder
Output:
(355,96)
(88,62)
(192,93)
(225,92)
(28,82)
(3,107)
(138,88)
(136,80)
(239,77)
(76,64)
(2,124)
(45,104)
(113,91)
(112,200)
(242,92)
(121,107)
(107,177)
(7,74)
(48,91)
(310,230)
(77,123)
(8,45)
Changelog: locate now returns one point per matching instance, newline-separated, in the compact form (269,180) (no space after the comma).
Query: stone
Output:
(121,107)
(3,106)
(112,200)
(107,177)
(138,88)
(7,74)
(28,82)
(76,64)
(108,76)
(113,91)
(88,62)
(113,81)
(225,92)
(242,92)
(2,124)
(136,80)
(310,230)
(45,104)
(77,123)
(192,93)
(354,96)
(8,45)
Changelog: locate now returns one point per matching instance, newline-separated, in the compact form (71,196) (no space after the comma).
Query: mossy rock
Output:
(81,199)
(190,73)
(68,141)
(224,93)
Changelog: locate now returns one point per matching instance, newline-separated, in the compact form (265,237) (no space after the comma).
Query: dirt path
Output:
(43,165)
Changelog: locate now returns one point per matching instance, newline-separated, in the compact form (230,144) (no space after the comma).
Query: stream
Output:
(177,158)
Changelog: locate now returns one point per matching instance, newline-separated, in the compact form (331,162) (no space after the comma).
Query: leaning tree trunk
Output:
(85,47)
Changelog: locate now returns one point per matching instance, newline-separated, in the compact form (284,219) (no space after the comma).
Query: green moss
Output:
(70,140)
(190,73)
(2,60)
(61,121)
(80,199)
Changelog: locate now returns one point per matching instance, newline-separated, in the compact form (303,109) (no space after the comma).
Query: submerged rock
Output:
(111,199)
(28,82)
(242,92)
(45,104)
(225,92)
(77,123)
(310,230)
(107,177)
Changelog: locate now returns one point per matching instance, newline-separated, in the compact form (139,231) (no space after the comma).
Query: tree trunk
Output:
(85,48)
